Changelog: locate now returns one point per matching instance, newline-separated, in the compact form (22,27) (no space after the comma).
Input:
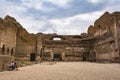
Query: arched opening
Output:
(3,49)
(32,57)
(12,52)
(84,56)
(94,56)
(57,38)
(57,57)
(7,50)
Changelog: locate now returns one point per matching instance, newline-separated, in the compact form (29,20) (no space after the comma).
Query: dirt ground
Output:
(65,71)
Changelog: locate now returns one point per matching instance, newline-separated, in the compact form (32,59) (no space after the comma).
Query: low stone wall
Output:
(4,61)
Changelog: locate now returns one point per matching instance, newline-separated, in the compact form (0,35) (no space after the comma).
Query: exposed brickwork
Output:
(100,43)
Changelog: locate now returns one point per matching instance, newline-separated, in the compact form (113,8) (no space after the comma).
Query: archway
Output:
(57,57)
(32,57)
(57,37)
(94,56)
(84,57)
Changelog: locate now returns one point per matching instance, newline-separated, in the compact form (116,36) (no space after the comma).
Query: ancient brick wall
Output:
(8,35)
(70,47)
(4,61)
(25,43)
(105,34)
(8,31)
(100,43)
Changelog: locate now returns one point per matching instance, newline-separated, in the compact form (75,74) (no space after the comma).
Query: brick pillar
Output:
(51,55)
(115,35)
(116,38)
(63,56)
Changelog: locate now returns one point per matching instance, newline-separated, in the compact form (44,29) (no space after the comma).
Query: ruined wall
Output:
(8,34)
(15,41)
(70,47)
(14,36)
(102,42)
(105,37)
(39,43)
(25,43)
(8,30)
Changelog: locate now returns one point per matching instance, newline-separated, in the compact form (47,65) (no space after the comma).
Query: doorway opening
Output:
(57,57)
(32,57)
(94,56)
(84,56)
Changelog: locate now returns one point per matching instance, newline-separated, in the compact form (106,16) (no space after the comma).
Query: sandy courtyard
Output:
(65,71)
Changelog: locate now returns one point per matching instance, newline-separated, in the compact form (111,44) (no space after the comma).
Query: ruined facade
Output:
(105,34)
(64,47)
(100,43)
(25,43)
(8,31)
(15,41)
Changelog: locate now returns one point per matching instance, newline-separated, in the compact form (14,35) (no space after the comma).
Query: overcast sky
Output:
(57,16)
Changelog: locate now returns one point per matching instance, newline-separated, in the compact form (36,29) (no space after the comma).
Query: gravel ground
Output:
(65,71)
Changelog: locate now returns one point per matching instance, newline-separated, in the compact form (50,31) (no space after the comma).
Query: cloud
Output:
(57,16)
(60,3)
(75,7)
(11,9)
(112,5)
(31,24)
(72,25)
(95,1)
(37,4)
(76,24)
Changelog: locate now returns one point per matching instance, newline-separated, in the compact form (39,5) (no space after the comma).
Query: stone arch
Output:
(85,56)
(96,56)
(93,55)
(12,52)
(8,50)
(3,49)
(60,37)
